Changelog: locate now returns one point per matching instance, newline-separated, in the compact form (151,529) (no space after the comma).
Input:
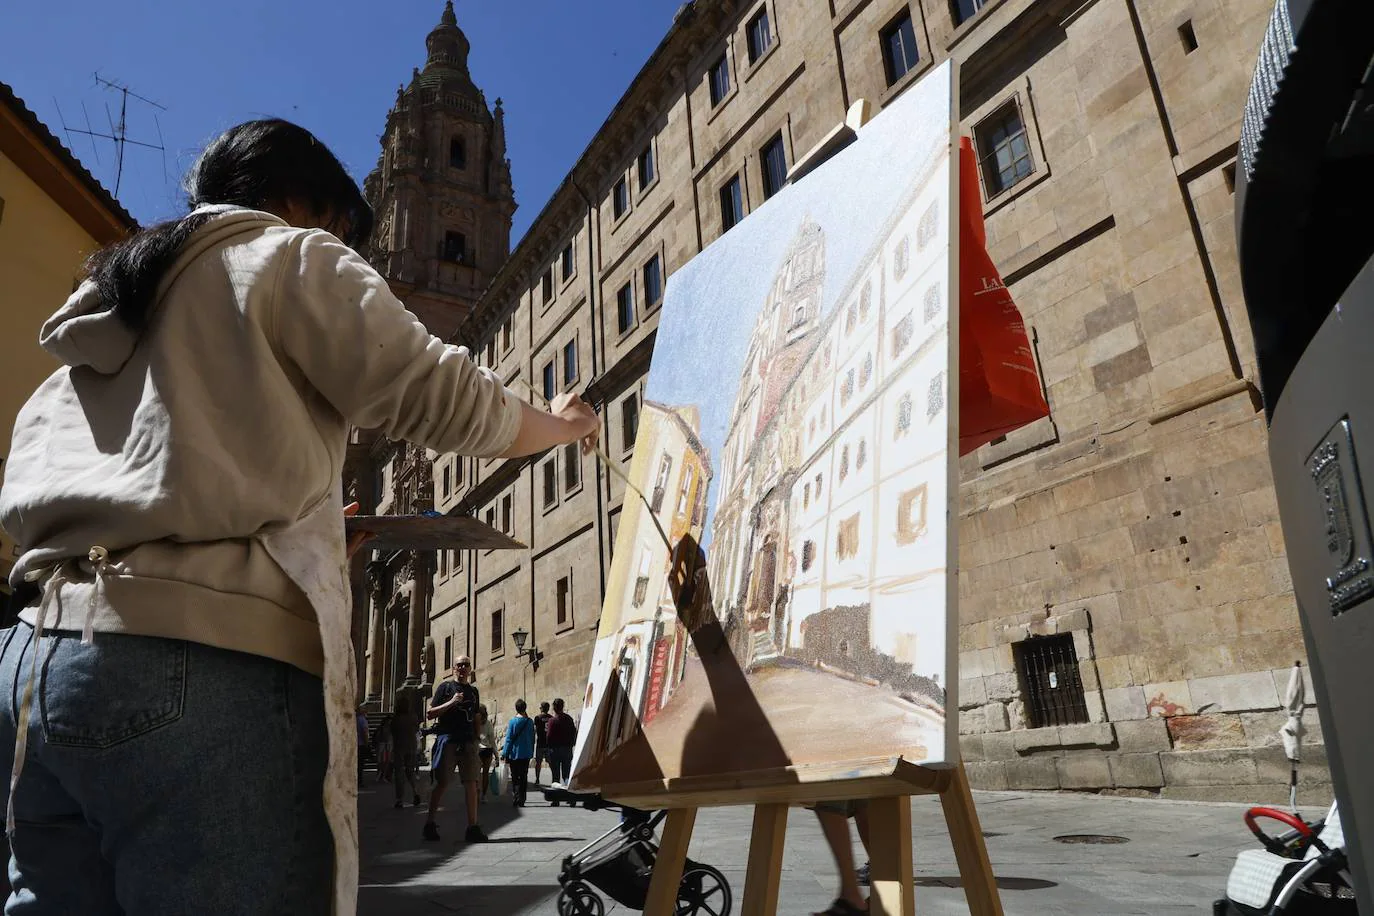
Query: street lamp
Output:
(533,653)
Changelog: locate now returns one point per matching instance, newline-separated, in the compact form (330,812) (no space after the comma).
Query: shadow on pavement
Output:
(400,873)
(1006,884)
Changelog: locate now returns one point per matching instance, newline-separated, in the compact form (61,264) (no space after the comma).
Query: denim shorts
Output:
(164,777)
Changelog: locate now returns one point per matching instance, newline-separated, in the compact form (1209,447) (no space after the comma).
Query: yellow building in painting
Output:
(641,641)
(53,213)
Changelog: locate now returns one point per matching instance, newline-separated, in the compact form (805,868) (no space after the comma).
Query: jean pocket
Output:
(116,689)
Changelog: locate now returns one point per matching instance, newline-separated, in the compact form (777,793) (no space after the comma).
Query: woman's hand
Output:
(569,419)
(359,538)
(578,414)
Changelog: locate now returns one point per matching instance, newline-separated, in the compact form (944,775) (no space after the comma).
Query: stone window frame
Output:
(741,177)
(725,51)
(627,449)
(498,638)
(770,9)
(618,219)
(1020,91)
(566,279)
(650,146)
(1076,621)
(925,60)
(565,625)
(782,137)
(550,497)
(633,326)
(651,307)
(572,451)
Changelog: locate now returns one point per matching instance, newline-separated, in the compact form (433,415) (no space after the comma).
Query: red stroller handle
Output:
(1287,818)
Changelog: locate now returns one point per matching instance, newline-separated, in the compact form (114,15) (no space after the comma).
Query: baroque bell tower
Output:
(442,186)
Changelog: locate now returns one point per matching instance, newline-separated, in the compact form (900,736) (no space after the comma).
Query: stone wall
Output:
(1139,517)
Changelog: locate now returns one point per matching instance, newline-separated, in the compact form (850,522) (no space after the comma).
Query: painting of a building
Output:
(643,648)
(813,345)
(835,455)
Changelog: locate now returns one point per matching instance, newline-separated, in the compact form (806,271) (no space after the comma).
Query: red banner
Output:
(999,387)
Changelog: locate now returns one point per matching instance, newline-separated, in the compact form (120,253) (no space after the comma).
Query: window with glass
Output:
(731,204)
(569,266)
(648,168)
(508,513)
(625,308)
(759,33)
(569,363)
(899,47)
(550,381)
(620,198)
(964,10)
(508,334)
(629,421)
(653,282)
(1004,153)
(719,79)
(572,466)
(498,636)
(774,158)
(547,285)
(551,483)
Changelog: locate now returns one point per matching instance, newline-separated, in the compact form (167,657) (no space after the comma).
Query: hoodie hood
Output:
(86,332)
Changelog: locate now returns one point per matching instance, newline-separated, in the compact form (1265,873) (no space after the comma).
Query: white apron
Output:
(312,553)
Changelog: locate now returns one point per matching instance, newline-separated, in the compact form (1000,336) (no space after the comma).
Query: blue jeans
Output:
(164,777)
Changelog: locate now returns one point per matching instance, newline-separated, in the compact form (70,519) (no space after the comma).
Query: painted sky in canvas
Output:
(725,286)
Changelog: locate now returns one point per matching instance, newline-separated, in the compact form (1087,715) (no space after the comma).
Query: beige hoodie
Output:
(226,420)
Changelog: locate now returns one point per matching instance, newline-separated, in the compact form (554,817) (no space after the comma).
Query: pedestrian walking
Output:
(541,744)
(193,579)
(561,734)
(486,748)
(517,750)
(455,747)
(404,726)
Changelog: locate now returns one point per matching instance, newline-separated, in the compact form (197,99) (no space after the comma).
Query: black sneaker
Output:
(415,802)
(431,830)
(398,803)
(474,835)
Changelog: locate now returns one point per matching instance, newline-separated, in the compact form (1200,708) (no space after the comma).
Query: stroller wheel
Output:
(703,892)
(577,899)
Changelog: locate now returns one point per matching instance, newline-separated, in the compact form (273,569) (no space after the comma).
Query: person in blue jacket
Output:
(517,751)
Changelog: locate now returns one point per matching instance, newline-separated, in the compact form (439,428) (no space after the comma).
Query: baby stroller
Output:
(620,863)
(1300,872)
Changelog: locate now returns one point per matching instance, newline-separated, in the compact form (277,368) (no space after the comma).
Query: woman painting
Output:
(175,488)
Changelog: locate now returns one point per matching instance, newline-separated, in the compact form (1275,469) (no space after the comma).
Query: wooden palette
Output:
(429,532)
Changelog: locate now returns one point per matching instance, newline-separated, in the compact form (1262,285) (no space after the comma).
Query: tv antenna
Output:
(119,132)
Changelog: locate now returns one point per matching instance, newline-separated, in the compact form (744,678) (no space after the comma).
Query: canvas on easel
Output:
(780,620)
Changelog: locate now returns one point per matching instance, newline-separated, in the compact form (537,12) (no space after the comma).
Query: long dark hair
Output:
(256,164)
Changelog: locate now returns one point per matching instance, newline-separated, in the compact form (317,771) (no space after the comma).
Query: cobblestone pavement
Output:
(1175,861)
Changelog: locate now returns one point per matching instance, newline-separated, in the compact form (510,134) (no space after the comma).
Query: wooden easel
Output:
(888,784)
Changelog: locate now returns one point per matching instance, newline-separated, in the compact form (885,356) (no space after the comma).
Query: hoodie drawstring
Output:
(56,577)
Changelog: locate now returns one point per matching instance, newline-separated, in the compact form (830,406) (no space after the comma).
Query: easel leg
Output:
(672,856)
(975,871)
(765,861)
(892,890)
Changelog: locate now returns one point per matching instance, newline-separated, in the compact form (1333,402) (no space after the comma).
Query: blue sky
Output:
(711,304)
(333,67)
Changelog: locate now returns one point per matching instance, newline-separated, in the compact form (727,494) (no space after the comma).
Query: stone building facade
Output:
(1127,619)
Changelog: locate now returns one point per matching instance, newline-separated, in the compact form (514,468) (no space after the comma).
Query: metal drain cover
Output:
(1091,839)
